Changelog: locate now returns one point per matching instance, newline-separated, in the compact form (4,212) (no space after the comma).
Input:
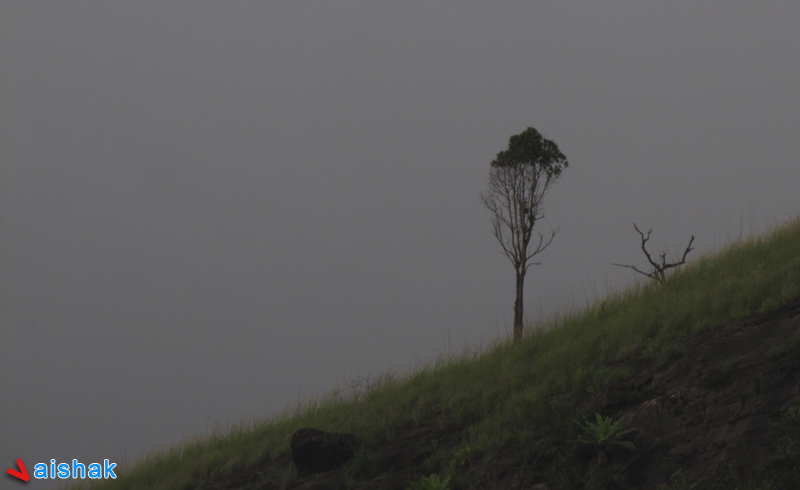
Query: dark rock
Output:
(711,411)
(315,451)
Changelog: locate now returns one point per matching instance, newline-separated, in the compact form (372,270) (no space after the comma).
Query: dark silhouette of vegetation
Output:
(514,416)
(659,272)
(519,178)
(603,434)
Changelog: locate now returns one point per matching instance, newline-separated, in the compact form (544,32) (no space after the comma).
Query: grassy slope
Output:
(498,395)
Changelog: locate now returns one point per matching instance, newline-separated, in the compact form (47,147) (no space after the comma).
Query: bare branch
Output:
(665,266)
(539,248)
(644,242)
(659,272)
(651,275)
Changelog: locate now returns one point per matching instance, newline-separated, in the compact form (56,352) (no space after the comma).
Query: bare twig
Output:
(659,272)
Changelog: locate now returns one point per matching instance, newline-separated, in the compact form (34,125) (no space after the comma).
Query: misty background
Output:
(211,211)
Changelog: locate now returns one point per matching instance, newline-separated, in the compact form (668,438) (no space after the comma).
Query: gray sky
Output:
(211,210)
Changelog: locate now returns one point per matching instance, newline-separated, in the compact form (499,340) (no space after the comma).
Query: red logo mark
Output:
(22,475)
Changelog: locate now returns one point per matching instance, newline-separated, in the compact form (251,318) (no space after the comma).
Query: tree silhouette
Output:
(519,178)
(659,272)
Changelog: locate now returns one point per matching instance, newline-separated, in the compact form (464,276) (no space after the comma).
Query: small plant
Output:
(468,455)
(603,434)
(430,483)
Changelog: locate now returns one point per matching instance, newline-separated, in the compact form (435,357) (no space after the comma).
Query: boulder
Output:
(315,451)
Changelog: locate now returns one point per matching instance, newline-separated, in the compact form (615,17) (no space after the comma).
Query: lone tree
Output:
(518,181)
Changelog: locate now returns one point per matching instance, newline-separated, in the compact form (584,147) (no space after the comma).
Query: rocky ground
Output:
(710,412)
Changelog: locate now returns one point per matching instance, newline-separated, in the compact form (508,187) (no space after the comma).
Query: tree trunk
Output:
(518,306)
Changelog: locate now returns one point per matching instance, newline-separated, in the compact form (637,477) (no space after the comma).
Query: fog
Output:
(211,211)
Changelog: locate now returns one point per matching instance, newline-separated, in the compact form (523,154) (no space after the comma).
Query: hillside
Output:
(703,371)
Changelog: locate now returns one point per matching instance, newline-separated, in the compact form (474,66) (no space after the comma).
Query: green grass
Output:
(509,392)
